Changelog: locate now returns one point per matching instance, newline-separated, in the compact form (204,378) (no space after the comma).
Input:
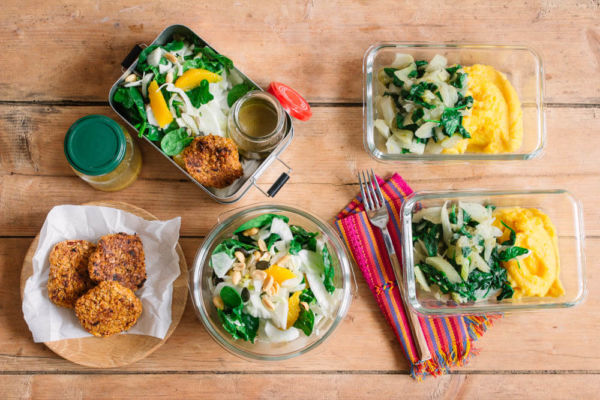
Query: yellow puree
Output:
(538,273)
(496,120)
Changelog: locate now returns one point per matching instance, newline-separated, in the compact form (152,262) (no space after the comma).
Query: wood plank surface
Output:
(322,386)
(58,61)
(315,46)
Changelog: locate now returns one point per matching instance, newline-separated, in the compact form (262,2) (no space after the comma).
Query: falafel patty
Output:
(69,278)
(119,257)
(107,309)
(213,161)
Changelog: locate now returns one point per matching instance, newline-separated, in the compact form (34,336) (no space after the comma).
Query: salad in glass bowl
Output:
(271,282)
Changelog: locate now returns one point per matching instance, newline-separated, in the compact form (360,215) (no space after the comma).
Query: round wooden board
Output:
(117,350)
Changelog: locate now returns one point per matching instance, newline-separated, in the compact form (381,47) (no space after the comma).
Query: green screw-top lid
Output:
(95,145)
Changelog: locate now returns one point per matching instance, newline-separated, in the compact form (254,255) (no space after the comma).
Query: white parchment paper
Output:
(49,322)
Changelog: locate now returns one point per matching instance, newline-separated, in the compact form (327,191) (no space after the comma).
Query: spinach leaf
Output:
(513,236)
(451,120)
(390,71)
(512,252)
(238,324)
(133,103)
(421,63)
(229,246)
(459,81)
(308,296)
(237,91)
(328,271)
(142,64)
(273,237)
(302,239)
(150,131)
(466,217)
(305,321)
(175,141)
(417,115)
(430,234)
(262,221)
(175,45)
(200,94)
(230,297)
(213,61)
(453,69)
(452,215)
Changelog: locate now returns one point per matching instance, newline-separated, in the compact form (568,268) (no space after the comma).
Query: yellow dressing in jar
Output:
(257,123)
(102,153)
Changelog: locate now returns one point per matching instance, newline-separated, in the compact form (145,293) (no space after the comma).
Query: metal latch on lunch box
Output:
(279,182)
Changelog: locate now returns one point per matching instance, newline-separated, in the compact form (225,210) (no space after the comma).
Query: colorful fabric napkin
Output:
(450,339)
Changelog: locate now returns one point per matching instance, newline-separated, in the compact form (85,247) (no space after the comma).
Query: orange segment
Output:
(293,309)
(279,274)
(159,107)
(193,77)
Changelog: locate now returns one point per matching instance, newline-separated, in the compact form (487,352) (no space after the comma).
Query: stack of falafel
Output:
(99,281)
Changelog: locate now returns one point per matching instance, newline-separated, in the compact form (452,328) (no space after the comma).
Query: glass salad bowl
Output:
(201,284)
(560,206)
(522,66)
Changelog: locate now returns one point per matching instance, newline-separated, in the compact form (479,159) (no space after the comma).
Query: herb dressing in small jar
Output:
(102,153)
(257,123)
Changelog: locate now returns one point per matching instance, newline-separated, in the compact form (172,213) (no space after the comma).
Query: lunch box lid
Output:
(95,145)
(291,101)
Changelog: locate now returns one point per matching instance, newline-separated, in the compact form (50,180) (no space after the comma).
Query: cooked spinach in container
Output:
(456,252)
(422,104)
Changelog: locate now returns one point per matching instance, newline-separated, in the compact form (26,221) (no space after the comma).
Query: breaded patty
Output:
(213,161)
(119,257)
(107,309)
(69,278)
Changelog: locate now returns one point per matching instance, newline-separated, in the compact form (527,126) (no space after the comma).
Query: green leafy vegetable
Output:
(273,237)
(512,252)
(513,236)
(328,271)
(308,296)
(237,91)
(239,324)
(132,101)
(230,297)
(262,221)
(175,141)
(229,246)
(305,321)
(175,45)
(302,239)
(200,94)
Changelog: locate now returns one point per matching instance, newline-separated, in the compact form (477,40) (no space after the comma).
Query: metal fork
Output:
(377,212)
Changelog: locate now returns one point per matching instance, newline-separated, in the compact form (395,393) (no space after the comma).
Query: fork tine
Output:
(364,188)
(378,188)
(362,191)
(372,192)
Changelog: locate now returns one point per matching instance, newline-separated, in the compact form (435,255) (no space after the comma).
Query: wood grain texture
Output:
(322,386)
(60,58)
(118,350)
(315,46)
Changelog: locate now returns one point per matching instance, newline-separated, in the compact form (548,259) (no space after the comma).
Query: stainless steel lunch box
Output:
(129,64)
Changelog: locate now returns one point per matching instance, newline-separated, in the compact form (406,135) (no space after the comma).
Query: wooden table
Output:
(58,60)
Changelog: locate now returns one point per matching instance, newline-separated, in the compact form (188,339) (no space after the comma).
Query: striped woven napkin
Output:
(450,339)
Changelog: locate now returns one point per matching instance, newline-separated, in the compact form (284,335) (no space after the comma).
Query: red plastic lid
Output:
(291,100)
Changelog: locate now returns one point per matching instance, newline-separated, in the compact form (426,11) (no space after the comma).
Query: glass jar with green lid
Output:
(102,153)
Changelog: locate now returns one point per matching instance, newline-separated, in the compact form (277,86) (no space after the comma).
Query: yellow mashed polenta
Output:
(496,120)
(536,274)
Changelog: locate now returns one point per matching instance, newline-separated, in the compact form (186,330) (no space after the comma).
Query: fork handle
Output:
(415,324)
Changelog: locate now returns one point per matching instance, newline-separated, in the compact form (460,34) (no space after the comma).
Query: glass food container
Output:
(559,205)
(521,65)
(102,153)
(257,123)
(201,274)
